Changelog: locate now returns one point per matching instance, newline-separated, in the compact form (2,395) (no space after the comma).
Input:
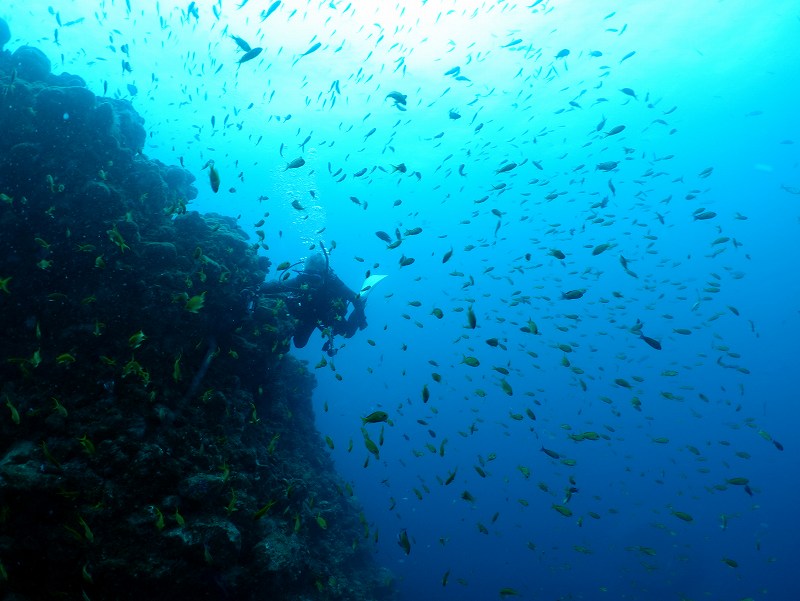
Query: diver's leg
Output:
(302,334)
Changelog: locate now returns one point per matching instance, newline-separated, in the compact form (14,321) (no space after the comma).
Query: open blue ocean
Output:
(588,216)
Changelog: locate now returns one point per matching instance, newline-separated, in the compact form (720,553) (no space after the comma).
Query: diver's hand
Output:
(329,348)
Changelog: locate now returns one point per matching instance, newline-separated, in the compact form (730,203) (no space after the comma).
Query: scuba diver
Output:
(317,298)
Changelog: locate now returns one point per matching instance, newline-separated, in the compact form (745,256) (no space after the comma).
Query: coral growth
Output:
(156,442)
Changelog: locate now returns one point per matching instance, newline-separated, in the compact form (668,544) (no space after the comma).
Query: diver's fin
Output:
(369,284)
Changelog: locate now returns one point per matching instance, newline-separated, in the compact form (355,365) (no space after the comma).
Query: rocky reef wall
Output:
(156,441)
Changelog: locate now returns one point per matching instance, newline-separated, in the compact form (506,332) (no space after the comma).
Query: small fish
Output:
(263,511)
(375,417)
(651,342)
(241,43)
(563,510)
(137,339)
(472,321)
(250,55)
(87,444)
(213,178)
(615,130)
(178,518)
(272,8)
(195,303)
(607,165)
(506,168)
(550,453)
(738,481)
(398,98)
(600,248)
(573,294)
(176,368)
(371,446)
(311,50)
(402,540)
(682,515)
(13,410)
(295,164)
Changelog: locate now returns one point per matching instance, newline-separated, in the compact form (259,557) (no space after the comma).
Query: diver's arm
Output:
(338,289)
(278,286)
(358,318)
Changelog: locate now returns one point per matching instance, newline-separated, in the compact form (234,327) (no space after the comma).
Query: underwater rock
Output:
(104,116)
(19,157)
(155,432)
(98,198)
(160,255)
(181,181)
(129,125)
(224,538)
(20,471)
(129,231)
(192,225)
(57,106)
(66,80)
(280,552)
(200,487)
(31,63)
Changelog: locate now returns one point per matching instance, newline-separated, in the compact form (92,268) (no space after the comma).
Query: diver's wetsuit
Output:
(319,300)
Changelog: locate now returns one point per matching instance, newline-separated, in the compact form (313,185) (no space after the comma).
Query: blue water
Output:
(729,70)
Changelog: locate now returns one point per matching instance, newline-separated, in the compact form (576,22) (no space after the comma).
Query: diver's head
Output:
(315,264)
